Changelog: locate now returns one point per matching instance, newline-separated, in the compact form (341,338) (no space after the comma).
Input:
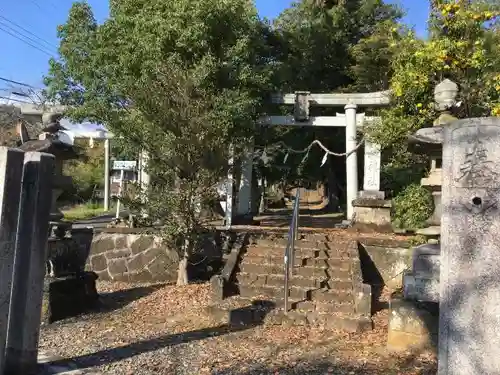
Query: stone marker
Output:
(422,283)
(371,179)
(11,166)
(469,327)
(29,264)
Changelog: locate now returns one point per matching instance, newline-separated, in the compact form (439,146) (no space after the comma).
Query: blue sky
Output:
(25,63)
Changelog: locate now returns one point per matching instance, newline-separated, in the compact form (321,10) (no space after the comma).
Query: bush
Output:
(412,207)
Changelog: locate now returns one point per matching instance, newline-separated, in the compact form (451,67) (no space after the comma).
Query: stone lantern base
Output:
(372,211)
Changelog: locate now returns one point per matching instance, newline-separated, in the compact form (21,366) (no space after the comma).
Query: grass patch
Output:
(83,211)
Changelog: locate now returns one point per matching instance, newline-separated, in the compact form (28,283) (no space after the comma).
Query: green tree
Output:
(178,79)
(327,46)
(87,171)
(464,47)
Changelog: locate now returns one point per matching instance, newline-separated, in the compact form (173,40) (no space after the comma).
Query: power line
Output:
(25,41)
(15,100)
(24,36)
(50,45)
(16,83)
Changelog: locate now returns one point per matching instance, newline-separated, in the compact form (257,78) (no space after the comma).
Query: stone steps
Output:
(318,262)
(249,311)
(321,284)
(304,244)
(257,250)
(255,279)
(303,271)
(273,292)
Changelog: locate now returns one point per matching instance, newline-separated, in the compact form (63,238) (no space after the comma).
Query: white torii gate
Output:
(351,120)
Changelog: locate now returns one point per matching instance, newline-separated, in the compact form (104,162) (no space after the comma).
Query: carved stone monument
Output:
(68,289)
(469,326)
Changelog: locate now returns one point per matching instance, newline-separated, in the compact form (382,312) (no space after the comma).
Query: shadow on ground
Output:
(240,319)
(116,300)
(410,365)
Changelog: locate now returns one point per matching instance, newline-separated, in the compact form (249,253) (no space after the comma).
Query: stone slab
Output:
(11,166)
(427,259)
(470,243)
(421,288)
(372,194)
(29,265)
(372,165)
(411,327)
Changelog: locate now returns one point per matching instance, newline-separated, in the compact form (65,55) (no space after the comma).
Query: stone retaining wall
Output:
(384,261)
(131,257)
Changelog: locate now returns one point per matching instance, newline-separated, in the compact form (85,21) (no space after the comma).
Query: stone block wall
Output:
(384,261)
(131,257)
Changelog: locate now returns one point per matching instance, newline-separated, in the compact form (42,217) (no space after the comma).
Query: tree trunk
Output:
(182,274)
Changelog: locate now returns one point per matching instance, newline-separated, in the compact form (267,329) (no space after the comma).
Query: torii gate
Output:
(351,120)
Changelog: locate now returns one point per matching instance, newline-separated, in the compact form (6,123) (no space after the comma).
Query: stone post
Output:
(144,177)
(371,178)
(11,166)
(106,173)
(245,188)
(370,208)
(29,264)
(229,189)
(352,159)
(469,320)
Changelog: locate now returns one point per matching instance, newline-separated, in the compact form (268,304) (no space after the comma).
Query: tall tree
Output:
(329,46)
(464,47)
(178,79)
(320,35)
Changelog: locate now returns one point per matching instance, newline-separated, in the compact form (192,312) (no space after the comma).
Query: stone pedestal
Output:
(433,183)
(68,296)
(422,283)
(412,326)
(371,210)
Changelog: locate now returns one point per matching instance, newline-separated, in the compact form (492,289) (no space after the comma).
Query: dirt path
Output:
(145,330)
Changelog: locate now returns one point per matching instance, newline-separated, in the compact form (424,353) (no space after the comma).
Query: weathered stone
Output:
(384,264)
(136,263)
(103,275)
(151,254)
(217,288)
(121,241)
(102,244)
(69,296)
(29,263)
(427,259)
(372,212)
(421,287)
(161,269)
(469,327)
(120,253)
(11,166)
(410,326)
(141,244)
(117,267)
(142,276)
(363,300)
(98,262)
(123,277)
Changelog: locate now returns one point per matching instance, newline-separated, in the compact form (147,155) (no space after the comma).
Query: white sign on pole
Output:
(124,165)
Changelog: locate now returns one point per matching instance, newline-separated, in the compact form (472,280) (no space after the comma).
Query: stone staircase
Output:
(325,288)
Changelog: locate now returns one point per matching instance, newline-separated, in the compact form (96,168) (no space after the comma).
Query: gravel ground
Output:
(155,329)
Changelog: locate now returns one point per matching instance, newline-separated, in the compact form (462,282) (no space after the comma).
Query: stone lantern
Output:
(49,142)
(445,97)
